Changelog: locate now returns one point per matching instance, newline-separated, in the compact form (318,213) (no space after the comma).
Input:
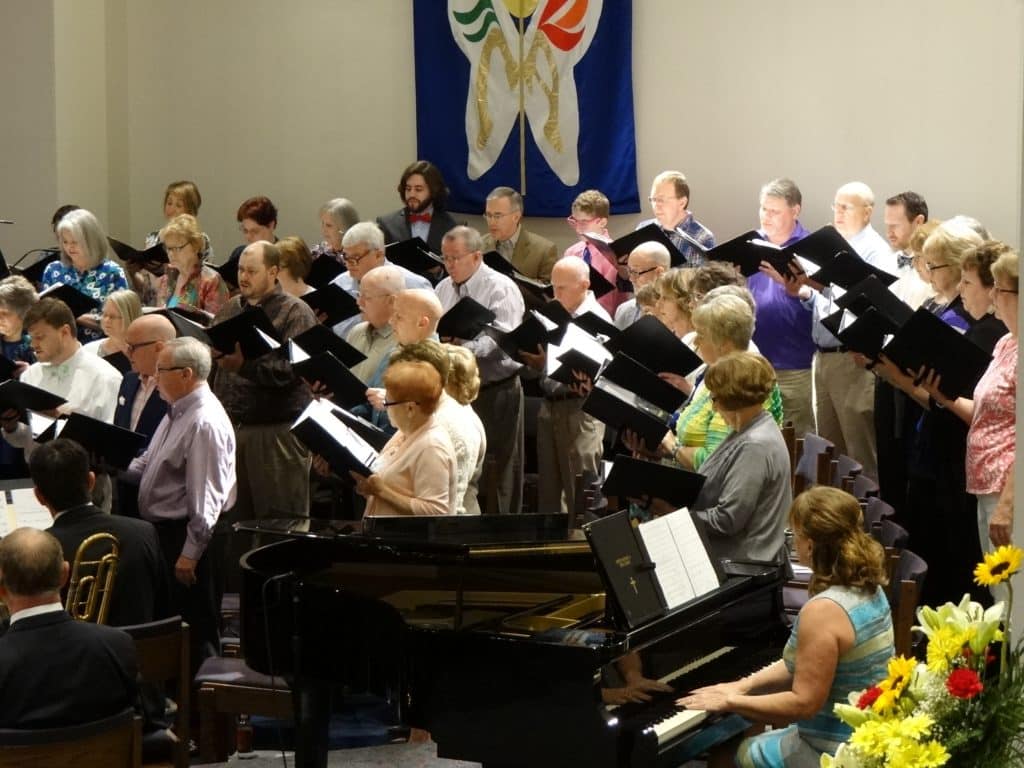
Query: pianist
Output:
(415,472)
(840,643)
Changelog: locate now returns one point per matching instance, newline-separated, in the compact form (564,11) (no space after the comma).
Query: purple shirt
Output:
(782,329)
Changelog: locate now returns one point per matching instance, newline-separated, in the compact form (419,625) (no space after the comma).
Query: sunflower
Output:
(998,566)
(901,670)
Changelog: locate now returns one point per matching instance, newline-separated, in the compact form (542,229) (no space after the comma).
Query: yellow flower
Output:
(945,644)
(900,672)
(998,566)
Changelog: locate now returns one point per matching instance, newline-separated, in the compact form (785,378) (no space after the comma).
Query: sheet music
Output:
(321,412)
(549,325)
(21,509)
(682,566)
(38,423)
(269,340)
(578,339)
(692,550)
(669,570)
(296,354)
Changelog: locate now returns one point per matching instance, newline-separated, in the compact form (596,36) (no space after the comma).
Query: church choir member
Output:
(188,282)
(423,193)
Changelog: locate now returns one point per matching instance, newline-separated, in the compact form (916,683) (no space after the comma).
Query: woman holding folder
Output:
(189,283)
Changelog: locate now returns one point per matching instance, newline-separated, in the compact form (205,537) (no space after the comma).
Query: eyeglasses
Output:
(935,267)
(389,403)
(997,290)
(174,248)
(172,368)
(638,272)
(497,216)
(574,222)
(250,232)
(367,297)
(660,200)
(845,207)
(452,259)
(133,348)
(353,260)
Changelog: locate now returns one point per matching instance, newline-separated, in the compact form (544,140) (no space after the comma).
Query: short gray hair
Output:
(739,291)
(514,197)
(191,353)
(364,233)
(342,212)
(85,228)
(858,189)
(656,251)
(469,237)
(17,294)
(387,277)
(725,319)
(785,189)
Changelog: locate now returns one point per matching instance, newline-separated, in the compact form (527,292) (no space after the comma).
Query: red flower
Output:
(964,683)
(868,697)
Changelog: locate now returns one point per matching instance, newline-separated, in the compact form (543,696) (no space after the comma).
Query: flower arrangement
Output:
(962,706)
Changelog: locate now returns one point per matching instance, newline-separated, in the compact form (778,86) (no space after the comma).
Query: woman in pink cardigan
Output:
(415,472)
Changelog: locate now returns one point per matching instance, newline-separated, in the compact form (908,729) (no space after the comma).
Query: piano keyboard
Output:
(697,663)
(678,722)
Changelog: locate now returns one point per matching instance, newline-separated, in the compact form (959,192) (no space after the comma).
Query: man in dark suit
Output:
(55,671)
(139,406)
(63,482)
(424,193)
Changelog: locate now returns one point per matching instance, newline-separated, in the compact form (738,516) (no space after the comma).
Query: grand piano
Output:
(492,633)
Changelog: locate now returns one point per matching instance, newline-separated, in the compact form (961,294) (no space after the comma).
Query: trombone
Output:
(92,578)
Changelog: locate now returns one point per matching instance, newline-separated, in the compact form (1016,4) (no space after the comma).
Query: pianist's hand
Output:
(713,698)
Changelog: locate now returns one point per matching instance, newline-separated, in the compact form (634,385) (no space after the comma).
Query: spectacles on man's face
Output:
(133,348)
(389,403)
(845,207)
(453,258)
(574,222)
(661,200)
(997,290)
(172,368)
(352,259)
(935,267)
(497,216)
(634,273)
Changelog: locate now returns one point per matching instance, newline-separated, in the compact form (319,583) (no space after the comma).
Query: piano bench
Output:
(228,688)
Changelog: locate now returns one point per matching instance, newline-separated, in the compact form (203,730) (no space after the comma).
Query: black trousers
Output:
(197,603)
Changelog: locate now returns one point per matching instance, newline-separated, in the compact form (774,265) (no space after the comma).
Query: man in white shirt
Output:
(500,403)
(844,393)
(904,213)
(363,245)
(569,441)
(645,264)
(87,382)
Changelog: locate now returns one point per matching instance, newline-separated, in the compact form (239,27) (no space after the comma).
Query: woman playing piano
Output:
(840,643)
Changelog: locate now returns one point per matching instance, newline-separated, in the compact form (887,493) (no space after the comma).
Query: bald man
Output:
(139,405)
(645,264)
(569,441)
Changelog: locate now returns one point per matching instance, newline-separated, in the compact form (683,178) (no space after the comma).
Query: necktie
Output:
(903,260)
(586,254)
(505,248)
(414,217)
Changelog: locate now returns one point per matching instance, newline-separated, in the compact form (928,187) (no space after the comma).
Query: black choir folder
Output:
(251,329)
(345,387)
(322,271)
(655,347)
(20,396)
(344,449)
(651,568)
(631,478)
(333,301)
(465,320)
(415,255)
(616,251)
(77,302)
(748,250)
(115,445)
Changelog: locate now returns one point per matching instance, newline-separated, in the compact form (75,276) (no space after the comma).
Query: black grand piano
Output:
(492,633)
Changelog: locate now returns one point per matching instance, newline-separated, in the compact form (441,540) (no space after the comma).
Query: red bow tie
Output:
(424,217)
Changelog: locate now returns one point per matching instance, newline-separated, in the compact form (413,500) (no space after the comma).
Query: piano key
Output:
(696,664)
(678,722)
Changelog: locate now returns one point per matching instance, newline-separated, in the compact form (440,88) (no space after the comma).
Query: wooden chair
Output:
(844,470)
(789,438)
(862,486)
(815,464)
(163,655)
(890,534)
(114,742)
(227,688)
(908,572)
(875,511)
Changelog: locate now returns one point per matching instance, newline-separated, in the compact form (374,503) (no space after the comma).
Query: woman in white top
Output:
(415,472)
(119,310)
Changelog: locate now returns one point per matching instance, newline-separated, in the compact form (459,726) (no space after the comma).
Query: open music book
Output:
(682,566)
(19,508)
(324,433)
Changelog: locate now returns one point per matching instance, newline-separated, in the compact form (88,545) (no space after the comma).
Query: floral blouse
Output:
(992,439)
(205,290)
(98,282)
(324,249)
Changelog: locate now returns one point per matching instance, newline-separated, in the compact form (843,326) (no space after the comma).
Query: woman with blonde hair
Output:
(119,310)
(296,261)
(841,643)
(463,387)
(415,473)
(188,282)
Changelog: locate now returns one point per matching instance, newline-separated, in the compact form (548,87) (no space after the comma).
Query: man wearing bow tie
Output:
(424,194)
(904,213)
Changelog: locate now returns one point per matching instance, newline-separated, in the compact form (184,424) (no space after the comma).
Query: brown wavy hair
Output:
(843,554)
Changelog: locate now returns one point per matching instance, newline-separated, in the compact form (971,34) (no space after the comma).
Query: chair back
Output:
(814,466)
(904,591)
(864,487)
(161,648)
(845,467)
(875,510)
(114,742)
(890,534)
(92,578)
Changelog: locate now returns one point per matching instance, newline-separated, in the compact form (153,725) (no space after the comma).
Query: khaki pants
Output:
(569,442)
(844,399)
(796,387)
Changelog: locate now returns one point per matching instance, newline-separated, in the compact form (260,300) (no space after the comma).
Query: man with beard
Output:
(424,193)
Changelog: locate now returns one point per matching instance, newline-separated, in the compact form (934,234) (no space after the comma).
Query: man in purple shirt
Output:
(186,479)
(782,330)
